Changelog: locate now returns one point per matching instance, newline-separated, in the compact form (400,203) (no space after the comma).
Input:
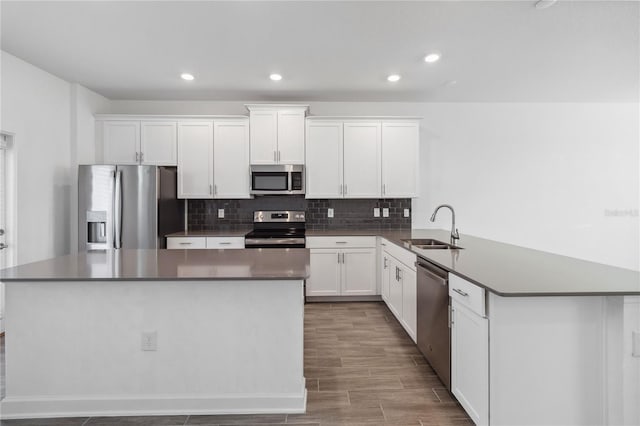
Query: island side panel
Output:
(75,348)
(547,360)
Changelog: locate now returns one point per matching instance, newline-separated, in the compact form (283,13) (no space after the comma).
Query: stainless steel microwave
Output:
(277,179)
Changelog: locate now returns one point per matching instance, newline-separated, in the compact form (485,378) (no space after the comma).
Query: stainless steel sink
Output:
(429,244)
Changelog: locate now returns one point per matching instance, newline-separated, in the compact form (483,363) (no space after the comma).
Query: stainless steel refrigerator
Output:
(127,206)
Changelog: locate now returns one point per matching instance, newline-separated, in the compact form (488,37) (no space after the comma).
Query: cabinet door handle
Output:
(340,189)
(185,244)
(215,189)
(345,190)
(343,258)
(338,257)
(141,156)
(451,316)
(137,157)
(385,263)
(278,156)
(460,292)
(384,188)
(211,189)
(275,158)
(224,243)
(341,242)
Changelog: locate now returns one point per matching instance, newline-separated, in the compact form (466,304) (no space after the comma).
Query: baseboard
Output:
(376,298)
(44,407)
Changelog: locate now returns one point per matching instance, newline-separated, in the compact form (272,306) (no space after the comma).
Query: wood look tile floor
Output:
(361,369)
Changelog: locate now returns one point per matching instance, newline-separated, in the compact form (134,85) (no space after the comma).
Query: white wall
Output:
(36,107)
(84,104)
(544,176)
(538,175)
(54,131)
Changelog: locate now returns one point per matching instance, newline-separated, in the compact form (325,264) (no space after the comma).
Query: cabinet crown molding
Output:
(271,107)
(362,117)
(165,117)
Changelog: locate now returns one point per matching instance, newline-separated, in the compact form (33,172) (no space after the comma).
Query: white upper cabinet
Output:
(264,137)
(136,142)
(158,143)
(323,166)
(231,159)
(121,141)
(400,159)
(277,133)
(362,142)
(195,159)
(291,136)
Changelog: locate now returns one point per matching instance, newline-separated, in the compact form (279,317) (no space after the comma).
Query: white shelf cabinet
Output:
(399,285)
(277,134)
(469,354)
(400,159)
(121,141)
(362,143)
(203,242)
(323,166)
(361,158)
(195,159)
(342,266)
(231,159)
(140,142)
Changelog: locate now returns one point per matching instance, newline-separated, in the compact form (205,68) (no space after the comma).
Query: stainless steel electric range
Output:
(277,229)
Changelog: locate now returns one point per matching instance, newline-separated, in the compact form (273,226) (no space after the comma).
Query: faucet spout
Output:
(454,231)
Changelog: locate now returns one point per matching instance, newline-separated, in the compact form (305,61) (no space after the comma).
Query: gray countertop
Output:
(509,270)
(167,265)
(505,269)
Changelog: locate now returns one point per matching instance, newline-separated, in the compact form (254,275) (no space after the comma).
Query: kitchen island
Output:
(144,332)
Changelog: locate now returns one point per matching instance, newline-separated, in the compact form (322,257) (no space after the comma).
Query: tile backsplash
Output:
(348,213)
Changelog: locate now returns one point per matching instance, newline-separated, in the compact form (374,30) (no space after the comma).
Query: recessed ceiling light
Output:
(432,57)
(543,4)
(393,78)
(275,77)
(186,76)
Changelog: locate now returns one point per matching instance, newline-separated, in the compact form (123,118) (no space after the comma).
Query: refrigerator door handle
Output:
(117,211)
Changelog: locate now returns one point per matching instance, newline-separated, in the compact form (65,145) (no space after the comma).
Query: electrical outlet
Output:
(149,340)
(376,212)
(385,212)
(329,212)
(406,212)
(220,213)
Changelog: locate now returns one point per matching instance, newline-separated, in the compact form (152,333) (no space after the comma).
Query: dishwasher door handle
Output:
(430,274)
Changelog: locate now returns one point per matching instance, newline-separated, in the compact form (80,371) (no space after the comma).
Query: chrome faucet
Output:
(454,231)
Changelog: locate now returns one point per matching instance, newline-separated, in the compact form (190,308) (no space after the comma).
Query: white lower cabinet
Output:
(399,285)
(342,266)
(186,242)
(470,361)
(205,242)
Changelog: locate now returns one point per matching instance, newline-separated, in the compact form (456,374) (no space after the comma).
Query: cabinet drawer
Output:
(225,242)
(340,242)
(186,243)
(407,257)
(467,294)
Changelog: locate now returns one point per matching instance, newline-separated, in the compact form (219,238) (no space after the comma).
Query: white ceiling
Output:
(334,51)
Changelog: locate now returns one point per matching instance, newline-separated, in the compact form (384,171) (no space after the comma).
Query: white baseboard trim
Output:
(376,298)
(77,406)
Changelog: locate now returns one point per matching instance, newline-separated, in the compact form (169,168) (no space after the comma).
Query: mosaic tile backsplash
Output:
(348,213)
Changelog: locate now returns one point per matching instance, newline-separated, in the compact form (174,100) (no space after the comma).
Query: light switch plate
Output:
(329,212)
(406,212)
(376,212)
(220,213)
(385,212)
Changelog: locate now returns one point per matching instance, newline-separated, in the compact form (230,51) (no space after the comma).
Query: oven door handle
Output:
(272,241)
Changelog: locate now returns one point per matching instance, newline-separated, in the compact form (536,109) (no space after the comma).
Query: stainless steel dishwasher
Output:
(434,333)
